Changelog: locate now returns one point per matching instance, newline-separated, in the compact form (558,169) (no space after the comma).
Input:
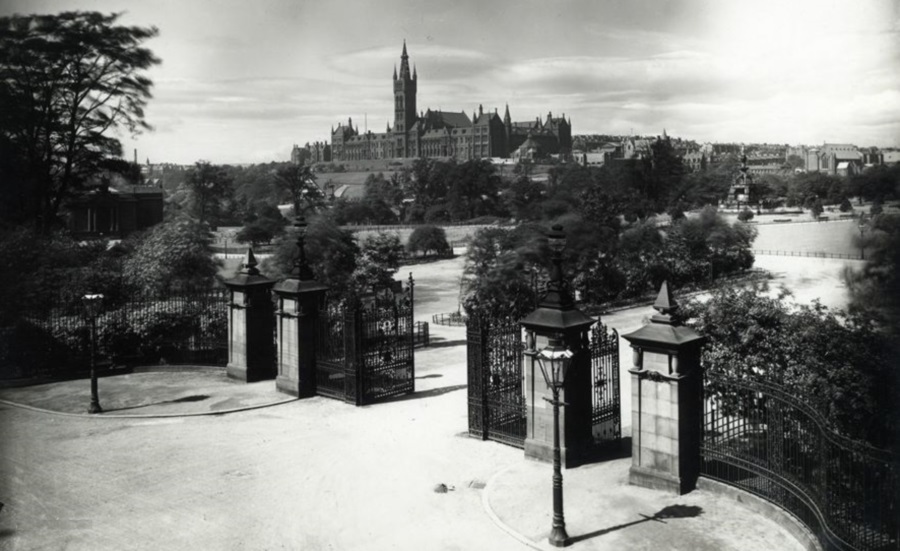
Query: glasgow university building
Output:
(441,133)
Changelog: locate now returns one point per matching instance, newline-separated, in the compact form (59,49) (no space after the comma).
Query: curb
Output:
(486,504)
(146,415)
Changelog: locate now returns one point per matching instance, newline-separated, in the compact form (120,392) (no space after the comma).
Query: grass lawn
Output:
(824,237)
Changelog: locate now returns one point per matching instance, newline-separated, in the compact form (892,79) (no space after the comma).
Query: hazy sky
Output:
(243,81)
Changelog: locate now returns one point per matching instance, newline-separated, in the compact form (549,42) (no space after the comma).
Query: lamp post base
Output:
(559,537)
(95,408)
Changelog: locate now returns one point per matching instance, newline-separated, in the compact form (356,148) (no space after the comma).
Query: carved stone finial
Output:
(664,304)
(249,265)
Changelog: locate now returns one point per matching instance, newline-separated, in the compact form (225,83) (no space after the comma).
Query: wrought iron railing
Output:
(184,327)
(765,441)
(497,409)
(451,319)
(606,415)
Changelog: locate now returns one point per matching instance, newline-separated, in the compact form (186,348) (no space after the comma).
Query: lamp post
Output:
(554,361)
(92,305)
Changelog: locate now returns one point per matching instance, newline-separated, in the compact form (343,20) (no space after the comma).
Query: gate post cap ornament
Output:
(249,274)
(663,331)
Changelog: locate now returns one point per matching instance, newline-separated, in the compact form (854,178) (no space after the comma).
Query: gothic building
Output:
(446,133)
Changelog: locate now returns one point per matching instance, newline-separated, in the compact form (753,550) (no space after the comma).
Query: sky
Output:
(242,82)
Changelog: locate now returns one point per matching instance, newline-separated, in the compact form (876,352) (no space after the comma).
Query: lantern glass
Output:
(556,239)
(554,360)
(92,304)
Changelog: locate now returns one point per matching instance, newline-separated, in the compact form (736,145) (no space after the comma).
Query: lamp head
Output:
(554,360)
(556,239)
(92,304)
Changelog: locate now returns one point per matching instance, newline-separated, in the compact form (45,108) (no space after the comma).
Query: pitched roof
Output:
(453,119)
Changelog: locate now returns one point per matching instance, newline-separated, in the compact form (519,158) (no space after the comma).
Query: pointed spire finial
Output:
(404,49)
(249,265)
(664,304)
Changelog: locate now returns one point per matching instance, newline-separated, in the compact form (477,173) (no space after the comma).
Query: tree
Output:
(330,251)
(171,256)
(378,261)
(428,238)
(297,184)
(845,205)
(795,162)
(254,233)
(837,362)
(68,83)
(210,186)
(816,208)
(745,215)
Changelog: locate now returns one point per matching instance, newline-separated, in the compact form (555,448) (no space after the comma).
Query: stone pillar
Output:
(575,436)
(251,322)
(557,317)
(299,299)
(666,401)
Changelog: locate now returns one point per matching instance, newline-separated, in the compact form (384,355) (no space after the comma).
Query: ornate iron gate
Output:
(364,353)
(606,414)
(386,359)
(495,381)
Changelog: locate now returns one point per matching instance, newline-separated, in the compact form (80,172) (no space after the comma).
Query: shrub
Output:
(428,238)
(170,256)
(745,215)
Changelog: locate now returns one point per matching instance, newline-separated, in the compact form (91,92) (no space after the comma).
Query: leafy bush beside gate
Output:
(55,341)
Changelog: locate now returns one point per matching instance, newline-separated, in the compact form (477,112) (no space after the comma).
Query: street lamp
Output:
(92,306)
(554,361)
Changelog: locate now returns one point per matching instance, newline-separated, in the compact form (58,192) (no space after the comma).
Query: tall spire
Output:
(506,118)
(404,63)
(395,71)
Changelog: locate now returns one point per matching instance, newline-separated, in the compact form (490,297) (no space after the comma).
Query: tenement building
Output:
(455,134)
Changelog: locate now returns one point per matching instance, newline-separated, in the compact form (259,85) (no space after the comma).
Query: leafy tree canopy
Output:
(428,238)
(836,361)
(68,82)
(170,256)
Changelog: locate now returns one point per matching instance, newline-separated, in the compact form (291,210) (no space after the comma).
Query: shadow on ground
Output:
(193,398)
(440,343)
(666,513)
(425,394)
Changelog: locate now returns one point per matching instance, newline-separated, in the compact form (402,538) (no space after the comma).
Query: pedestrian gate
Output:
(364,352)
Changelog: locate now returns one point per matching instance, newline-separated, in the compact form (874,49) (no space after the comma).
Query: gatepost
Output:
(251,322)
(557,317)
(300,297)
(666,401)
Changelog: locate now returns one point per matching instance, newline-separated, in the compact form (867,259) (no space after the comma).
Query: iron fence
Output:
(421,336)
(497,408)
(606,413)
(451,319)
(53,339)
(810,254)
(365,351)
(769,443)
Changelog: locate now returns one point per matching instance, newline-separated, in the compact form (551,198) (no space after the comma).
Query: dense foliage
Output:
(348,268)
(171,256)
(425,239)
(68,82)
(838,362)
